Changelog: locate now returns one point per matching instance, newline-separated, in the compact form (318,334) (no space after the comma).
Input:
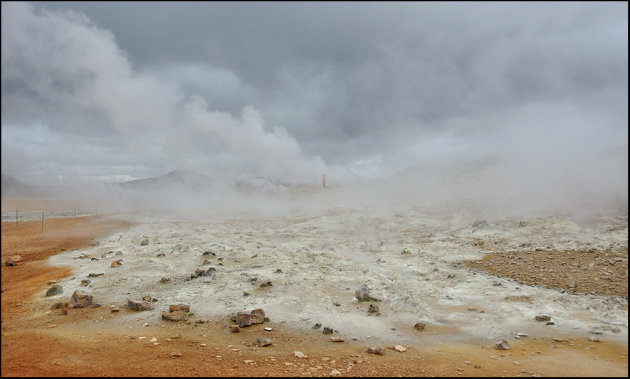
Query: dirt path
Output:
(39,341)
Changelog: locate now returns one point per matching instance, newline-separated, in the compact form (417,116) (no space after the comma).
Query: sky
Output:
(115,91)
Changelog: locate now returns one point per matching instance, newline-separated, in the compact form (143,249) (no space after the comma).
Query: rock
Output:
(59,305)
(85,282)
(336,339)
(175,316)
(299,354)
(375,350)
(209,253)
(502,345)
(327,330)
(206,262)
(335,372)
(144,242)
(257,316)
(268,329)
(363,294)
(317,326)
(265,284)
(179,307)
(115,309)
(542,318)
(63,312)
(10,262)
(176,353)
(80,299)
(406,251)
(419,326)
(117,263)
(399,348)
(93,275)
(243,319)
(54,290)
(235,329)
(262,342)
(138,305)
(164,280)
(146,298)
(594,339)
(373,308)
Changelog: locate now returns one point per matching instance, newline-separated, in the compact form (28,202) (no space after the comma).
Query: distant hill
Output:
(13,187)
(176,178)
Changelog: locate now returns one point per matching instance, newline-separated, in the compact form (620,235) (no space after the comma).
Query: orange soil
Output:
(38,341)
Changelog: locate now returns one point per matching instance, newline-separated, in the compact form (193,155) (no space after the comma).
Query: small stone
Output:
(9,263)
(248,361)
(502,345)
(257,316)
(376,350)
(63,312)
(335,373)
(144,242)
(399,348)
(262,342)
(115,309)
(164,280)
(93,275)
(317,326)
(336,339)
(203,345)
(594,339)
(85,282)
(327,330)
(406,251)
(54,290)
(178,315)
(160,255)
(116,263)
(138,305)
(145,325)
(176,353)
(235,329)
(542,318)
(299,354)
(268,329)
(59,305)
(373,308)
(419,326)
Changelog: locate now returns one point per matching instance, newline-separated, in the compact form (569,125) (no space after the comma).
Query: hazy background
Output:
(516,103)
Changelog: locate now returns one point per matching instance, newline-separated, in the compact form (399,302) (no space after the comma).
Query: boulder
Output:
(80,299)
(56,289)
(243,319)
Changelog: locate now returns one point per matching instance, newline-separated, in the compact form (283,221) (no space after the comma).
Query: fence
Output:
(37,215)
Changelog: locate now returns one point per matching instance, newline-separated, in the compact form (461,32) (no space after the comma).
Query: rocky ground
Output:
(447,289)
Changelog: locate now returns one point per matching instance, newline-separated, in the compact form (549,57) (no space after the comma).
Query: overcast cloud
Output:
(118,91)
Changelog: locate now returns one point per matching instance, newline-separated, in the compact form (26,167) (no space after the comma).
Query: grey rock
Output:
(502,345)
(375,350)
(363,294)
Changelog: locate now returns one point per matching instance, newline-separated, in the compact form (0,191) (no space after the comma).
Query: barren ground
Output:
(38,340)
